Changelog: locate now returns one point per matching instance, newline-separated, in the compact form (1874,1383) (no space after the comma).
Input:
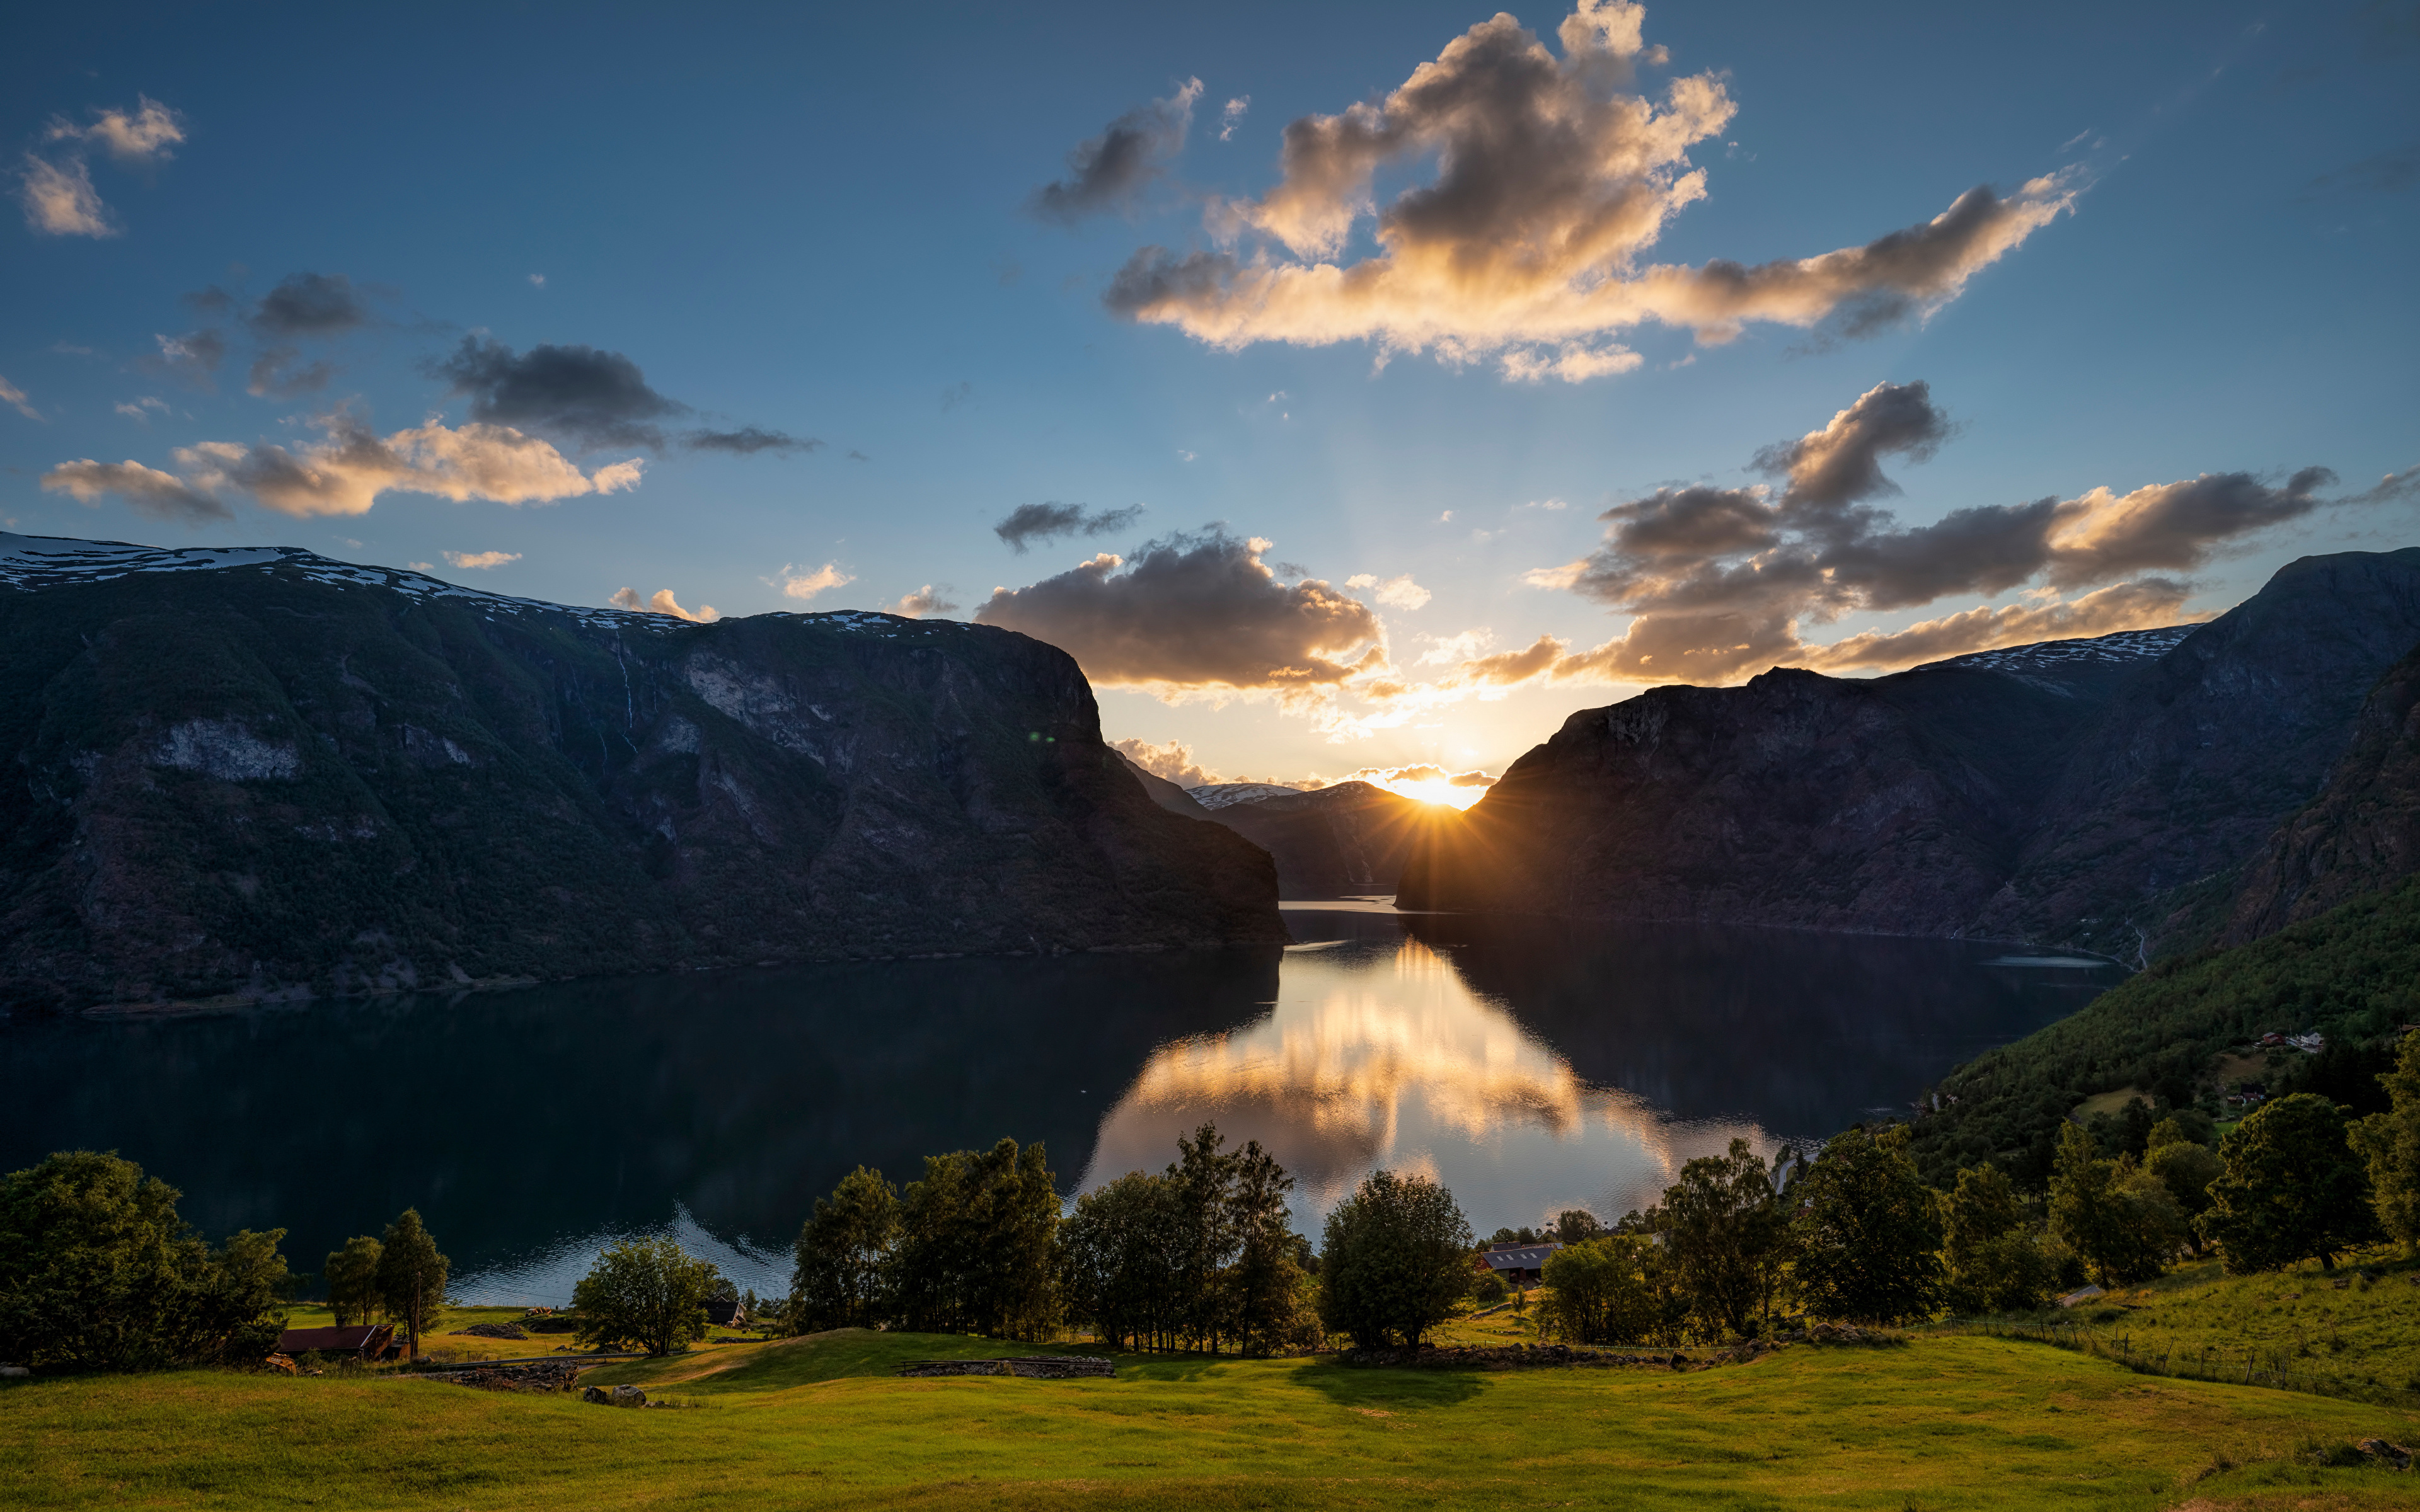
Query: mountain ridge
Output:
(258,773)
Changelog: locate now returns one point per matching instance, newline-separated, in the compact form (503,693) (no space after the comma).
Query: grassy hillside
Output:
(1943,1423)
(2352,973)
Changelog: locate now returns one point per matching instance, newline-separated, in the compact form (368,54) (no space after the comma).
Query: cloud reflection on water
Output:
(1380,1054)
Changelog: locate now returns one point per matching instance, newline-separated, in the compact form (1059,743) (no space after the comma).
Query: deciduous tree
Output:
(1603,1291)
(352,1280)
(1867,1232)
(411,1275)
(648,1293)
(2292,1189)
(1394,1259)
(2390,1143)
(842,1277)
(1994,1263)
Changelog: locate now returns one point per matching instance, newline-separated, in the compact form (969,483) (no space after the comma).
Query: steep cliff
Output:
(2101,793)
(264,773)
(2361,834)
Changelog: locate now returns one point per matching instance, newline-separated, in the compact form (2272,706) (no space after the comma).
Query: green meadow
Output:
(1939,1421)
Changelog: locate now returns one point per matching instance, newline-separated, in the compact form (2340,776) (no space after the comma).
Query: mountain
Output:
(1165,793)
(2361,834)
(2201,757)
(2100,794)
(1331,841)
(263,774)
(1220,794)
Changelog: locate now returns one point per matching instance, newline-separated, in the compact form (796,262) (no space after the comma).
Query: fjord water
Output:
(1529,1064)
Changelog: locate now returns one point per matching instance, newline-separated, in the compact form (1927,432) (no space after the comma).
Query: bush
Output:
(1394,1259)
(98,1273)
(644,1293)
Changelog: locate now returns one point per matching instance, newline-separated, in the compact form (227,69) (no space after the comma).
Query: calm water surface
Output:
(1528,1065)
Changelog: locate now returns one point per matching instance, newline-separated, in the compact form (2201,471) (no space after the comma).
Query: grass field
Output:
(2341,1333)
(1942,1422)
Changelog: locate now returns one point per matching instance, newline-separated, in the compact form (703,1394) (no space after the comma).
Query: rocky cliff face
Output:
(265,773)
(2101,793)
(2361,834)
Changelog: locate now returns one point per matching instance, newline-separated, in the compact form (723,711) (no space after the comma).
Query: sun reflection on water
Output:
(1383,1056)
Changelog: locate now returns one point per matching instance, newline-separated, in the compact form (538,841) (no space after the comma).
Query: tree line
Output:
(97,1272)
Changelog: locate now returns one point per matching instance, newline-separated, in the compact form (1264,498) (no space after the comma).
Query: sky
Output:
(1354,388)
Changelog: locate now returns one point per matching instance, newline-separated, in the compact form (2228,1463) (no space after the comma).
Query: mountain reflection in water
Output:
(1531,1065)
(1528,1065)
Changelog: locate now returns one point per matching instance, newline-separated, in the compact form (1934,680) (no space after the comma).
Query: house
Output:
(370,1341)
(726,1312)
(1519,1265)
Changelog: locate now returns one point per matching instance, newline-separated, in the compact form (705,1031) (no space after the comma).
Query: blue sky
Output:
(822,224)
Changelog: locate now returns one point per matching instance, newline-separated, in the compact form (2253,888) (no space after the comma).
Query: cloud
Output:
(1174,762)
(140,410)
(1553,182)
(344,473)
(14,398)
(1107,172)
(922,604)
(797,584)
(589,398)
(309,305)
(956,394)
(158,495)
(60,199)
(1029,523)
(479,561)
(1232,115)
(1196,611)
(663,603)
(271,377)
(1395,592)
(142,137)
(748,440)
(191,358)
(1722,583)
(592,397)
(537,280)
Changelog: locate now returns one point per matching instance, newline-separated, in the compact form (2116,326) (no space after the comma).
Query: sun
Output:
(1431,790)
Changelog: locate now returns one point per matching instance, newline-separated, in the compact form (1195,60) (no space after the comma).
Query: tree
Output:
(1576,1225)
(2390,1142)
(352,1280)
(648,1293)
(1118,1255)
(1727,1237)
(2185,1165)
(98,1273)
(2291,1189)
(1993,1264)
(411,1275)
(1868,1231)
(1394,1260)
(2118,1219)
(1264,1281)
(1603,1291)
(975,1244)
(842,1277)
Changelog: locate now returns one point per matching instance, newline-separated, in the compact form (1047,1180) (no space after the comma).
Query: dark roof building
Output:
(368,1340)
(1518,1262)
(726,1312)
